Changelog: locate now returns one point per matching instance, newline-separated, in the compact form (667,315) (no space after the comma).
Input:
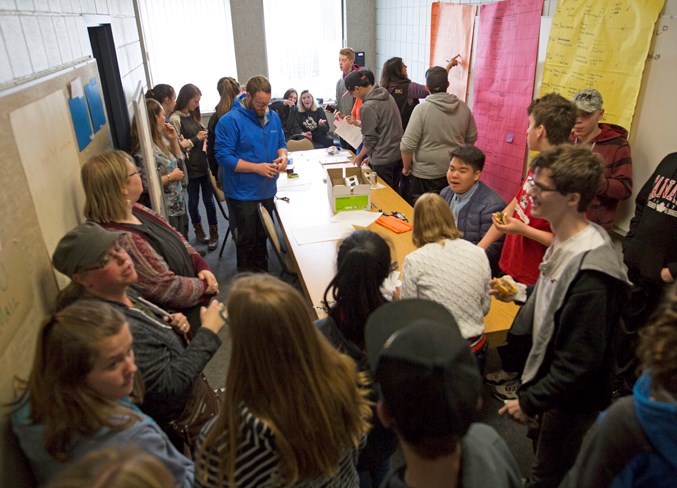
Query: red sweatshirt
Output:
(612,145)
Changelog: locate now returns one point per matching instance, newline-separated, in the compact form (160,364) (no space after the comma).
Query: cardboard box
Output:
(343,197)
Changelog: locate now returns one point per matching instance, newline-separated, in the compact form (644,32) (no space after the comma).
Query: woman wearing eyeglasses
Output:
(171,273)
(170,365)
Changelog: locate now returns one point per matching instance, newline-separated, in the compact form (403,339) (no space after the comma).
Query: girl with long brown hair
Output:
(187,122)
(168,160)
(76,399)
(295,409)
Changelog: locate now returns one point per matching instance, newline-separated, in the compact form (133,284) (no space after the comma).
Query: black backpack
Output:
(400,93)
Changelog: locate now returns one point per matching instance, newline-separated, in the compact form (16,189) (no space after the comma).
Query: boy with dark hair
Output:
(571,314)
(381,127)
(471,201)
(430,394)
(634,442)
(611,142)
(442,123)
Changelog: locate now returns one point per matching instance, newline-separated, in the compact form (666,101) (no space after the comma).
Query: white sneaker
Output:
(500,377)
(506,391)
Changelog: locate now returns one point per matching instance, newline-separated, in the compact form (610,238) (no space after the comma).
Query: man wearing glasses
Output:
(571,314)
(251,149)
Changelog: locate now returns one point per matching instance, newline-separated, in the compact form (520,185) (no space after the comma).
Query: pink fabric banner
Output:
(451,32)
(505,67)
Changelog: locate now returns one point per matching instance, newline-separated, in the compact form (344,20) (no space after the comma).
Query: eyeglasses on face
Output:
(106,258)
(537,187)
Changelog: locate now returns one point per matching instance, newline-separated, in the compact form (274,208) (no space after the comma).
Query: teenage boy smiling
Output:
(572,314)
(471,201)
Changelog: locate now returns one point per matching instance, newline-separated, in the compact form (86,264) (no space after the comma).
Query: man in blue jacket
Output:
(471,201)
(251,149)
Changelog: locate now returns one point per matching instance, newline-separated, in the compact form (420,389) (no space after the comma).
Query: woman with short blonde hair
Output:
(433,220)
(295,408)
(448,270)
(171,273)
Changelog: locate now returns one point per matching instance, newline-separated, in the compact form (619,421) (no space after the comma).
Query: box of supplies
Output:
(348,189)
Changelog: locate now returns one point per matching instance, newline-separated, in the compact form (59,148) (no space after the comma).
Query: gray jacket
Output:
(344,100)
(570,365)
(381,126)
(436,127)
(168,368)
(486,462)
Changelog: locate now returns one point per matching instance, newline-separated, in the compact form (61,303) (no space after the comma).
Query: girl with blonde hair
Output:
(228,89)
(448,270)
(76,399)
(115,467)
(310,120)
(168,161)
(171,273)
(295,409)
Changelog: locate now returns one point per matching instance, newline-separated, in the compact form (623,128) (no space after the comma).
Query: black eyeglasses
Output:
(538,188)
(106,258)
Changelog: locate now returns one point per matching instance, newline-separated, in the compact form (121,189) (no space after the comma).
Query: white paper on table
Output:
(285,183)
(321,233)
(348,132)
(362,218)
(336,159)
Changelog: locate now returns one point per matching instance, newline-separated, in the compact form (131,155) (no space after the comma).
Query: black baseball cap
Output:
(425,334)
(83,246)
(363,77)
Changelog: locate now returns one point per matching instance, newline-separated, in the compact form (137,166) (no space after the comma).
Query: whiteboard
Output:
(52,166)
(149,167)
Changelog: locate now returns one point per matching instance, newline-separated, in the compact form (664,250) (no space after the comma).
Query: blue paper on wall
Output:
(95,104)
(81,123)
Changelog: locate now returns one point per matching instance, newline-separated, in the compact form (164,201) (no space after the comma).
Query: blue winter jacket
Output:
(144,433)
(474,219)
(633,444)
(239,135)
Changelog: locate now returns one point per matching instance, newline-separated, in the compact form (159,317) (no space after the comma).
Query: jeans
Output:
(390,173)
(558,441)
(250,236)
(194,187)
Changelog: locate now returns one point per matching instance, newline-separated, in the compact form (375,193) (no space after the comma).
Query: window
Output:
(189,41)
(314,29)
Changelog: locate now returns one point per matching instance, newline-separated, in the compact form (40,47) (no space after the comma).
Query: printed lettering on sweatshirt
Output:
(663,196)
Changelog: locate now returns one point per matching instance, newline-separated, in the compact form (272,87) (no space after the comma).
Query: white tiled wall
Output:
(38,37)
(403,29)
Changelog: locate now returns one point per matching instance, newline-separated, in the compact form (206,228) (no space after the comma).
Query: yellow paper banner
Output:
(603,45)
